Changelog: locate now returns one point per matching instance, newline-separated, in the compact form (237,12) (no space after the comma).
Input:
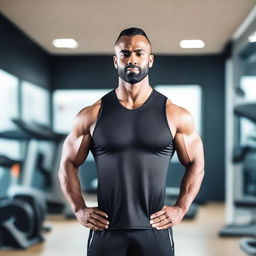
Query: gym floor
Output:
(196,237)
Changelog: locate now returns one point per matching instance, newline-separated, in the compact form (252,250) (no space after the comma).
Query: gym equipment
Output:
(248,245)
(244,164)
(41,160)
(247,111)
(21,215)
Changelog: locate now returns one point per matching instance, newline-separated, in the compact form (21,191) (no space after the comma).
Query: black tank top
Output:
(132,149)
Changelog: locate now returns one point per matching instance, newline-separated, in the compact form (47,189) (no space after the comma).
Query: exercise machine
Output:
(243,185)
(248,245)
(41,163)
(21,215)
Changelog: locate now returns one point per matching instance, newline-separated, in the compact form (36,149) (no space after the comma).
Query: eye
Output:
(125,54)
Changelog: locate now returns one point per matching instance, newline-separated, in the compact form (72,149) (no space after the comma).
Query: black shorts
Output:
(131,242)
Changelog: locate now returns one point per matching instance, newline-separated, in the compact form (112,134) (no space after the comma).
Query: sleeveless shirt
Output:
(132,149)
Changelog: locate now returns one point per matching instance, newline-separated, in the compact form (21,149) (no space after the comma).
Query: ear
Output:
(151,60)
(115,61)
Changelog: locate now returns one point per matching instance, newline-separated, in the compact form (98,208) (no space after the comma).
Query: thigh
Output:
(151,242)
(107,243)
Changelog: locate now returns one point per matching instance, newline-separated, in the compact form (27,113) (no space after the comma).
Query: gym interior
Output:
(43,86)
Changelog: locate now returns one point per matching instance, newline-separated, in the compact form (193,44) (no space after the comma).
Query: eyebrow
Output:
(137,50)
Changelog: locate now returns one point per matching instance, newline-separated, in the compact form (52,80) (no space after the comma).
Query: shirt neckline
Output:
(134,109)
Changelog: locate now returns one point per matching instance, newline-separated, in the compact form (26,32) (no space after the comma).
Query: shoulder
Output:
(85,117)
(181,117)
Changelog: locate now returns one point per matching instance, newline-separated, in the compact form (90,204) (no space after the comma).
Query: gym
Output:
(44,84)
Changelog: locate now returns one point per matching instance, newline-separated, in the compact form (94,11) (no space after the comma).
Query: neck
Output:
(133,93)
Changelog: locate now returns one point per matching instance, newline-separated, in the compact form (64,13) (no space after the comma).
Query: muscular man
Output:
(132,132)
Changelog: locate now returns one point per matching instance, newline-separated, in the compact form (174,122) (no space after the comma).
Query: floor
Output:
(196,237)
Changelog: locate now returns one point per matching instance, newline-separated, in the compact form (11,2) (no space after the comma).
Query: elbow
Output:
(202,173)
(62,173)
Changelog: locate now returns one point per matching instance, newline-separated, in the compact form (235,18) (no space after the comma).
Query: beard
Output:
(132,77)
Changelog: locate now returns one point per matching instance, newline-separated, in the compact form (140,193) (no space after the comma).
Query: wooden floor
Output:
(196,237)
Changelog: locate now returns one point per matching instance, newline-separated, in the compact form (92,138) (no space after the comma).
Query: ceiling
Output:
(96,24)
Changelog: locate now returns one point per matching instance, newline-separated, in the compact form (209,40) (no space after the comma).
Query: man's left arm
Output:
(189,148)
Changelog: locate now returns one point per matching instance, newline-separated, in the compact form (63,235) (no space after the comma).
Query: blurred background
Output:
(56,57)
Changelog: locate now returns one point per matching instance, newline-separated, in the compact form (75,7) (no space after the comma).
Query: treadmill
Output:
(33,133)
(247,155)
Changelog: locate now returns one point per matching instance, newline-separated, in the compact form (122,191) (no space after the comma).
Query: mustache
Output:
(132,66)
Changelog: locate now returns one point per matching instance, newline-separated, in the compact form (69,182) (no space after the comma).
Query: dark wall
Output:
(21,56)
(78,72)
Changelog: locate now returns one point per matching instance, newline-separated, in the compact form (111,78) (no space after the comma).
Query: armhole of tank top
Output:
(165,116)
(98,118)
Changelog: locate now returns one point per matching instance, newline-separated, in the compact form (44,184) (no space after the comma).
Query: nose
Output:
(133,59)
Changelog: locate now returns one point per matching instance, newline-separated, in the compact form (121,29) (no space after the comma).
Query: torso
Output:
(132,145)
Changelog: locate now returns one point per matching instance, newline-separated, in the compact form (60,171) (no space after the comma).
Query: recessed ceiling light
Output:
(192,44)
(65,43)
(252,38)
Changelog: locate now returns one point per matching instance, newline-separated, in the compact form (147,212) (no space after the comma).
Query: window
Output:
(35,103)
(9,104)
(67,103)
(248,128)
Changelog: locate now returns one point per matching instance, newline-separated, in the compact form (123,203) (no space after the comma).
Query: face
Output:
(133,58)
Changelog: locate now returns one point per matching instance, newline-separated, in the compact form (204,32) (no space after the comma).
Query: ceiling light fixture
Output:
(192,44)
(65,43)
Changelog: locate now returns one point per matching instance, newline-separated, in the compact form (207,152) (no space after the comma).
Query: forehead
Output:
(132,42)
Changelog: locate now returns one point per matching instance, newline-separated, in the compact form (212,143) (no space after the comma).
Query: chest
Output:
(121,130)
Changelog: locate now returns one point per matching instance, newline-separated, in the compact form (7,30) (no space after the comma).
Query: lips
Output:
(132,69)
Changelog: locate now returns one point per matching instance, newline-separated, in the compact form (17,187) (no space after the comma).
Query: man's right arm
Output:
(74,152)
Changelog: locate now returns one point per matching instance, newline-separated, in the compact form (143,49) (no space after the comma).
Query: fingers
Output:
(100,212)
(93,224)
(93,218)
(158,219)
(98,218)
(162,224)
(168,216)
(156,214)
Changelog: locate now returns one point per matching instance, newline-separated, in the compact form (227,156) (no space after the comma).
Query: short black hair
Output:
(132,32)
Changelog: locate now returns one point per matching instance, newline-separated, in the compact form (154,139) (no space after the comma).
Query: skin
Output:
(188,144)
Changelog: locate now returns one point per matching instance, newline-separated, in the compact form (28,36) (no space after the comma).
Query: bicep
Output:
(187,142)
(77,143)
(76,148)
(189,148)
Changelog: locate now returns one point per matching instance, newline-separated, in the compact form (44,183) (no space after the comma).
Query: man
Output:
(132,132)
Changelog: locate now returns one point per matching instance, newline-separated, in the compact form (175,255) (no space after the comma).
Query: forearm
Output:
(70,186)
(190,186)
